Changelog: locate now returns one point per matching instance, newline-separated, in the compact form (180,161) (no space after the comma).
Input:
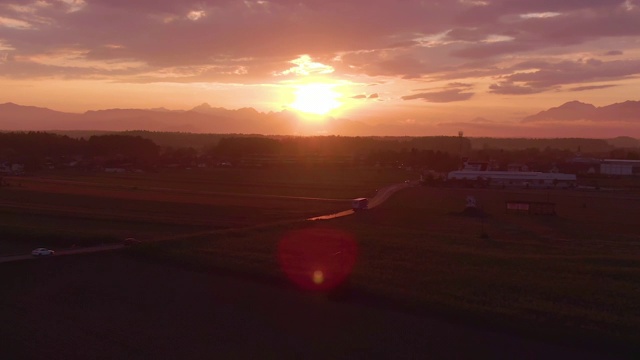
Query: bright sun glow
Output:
(318,99)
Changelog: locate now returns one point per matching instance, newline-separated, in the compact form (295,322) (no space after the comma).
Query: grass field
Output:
(574,275)
(324,182)
(60,209)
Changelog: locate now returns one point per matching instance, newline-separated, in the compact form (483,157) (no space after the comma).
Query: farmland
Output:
(62,209)
(573,276)
(569,278)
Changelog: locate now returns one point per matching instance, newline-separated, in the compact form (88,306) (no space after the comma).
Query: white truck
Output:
(360,204)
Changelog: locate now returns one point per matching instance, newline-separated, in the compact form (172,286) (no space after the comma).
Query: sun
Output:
(317,99)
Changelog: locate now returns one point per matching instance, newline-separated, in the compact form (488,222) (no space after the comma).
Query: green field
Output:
(324,182)
(575,275)
(61,209)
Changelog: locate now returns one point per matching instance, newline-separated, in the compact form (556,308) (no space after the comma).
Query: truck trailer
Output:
(360,204)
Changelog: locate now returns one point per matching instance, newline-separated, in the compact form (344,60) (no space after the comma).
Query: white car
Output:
(42,252)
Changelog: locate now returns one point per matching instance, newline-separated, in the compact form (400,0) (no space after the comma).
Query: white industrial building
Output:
(514,178)
(620,167)
(11,169)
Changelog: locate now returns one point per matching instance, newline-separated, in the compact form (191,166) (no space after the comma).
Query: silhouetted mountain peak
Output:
(575,103)
(117,112)
(204,106)
(14,106)
(629,104)
(248,111)
(576,110)
(163,109)
(480,120)
(15,110)
(624,142)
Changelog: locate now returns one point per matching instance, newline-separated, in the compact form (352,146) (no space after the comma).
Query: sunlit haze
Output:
(397,68)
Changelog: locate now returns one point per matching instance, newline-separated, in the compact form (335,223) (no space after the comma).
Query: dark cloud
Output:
(543,76)
(30,70)
(492,49)
(162,34)
(613,53)
(494,10)
(444,96)
(509,88)
(591,87)
(573,72)
(249,41)
(465,34)
(450,86)
(364,96)
(406,66)
(459,85)
(549,24)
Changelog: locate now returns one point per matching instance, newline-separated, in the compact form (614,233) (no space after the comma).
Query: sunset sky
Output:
(438,65)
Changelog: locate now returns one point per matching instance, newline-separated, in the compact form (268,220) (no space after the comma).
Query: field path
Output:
(76,251)
(381,196)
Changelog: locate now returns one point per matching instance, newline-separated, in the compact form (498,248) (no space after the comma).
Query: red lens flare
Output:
(317,259)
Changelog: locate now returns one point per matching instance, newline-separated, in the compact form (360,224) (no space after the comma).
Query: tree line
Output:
(440,153)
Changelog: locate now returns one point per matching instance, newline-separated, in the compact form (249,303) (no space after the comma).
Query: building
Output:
(11,169)
(524,179)
(620,167)
(530,207)
(516,167)
(582,165)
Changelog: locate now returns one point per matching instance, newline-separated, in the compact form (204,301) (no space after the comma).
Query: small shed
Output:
(530,207)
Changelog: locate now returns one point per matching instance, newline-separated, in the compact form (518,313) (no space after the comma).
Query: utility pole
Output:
(460,136)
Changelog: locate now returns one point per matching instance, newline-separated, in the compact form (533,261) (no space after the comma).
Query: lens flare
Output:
(317,258)
(318,277)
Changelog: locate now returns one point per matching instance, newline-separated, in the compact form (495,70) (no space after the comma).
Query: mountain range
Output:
(201,119)
(207,119)
(628,111)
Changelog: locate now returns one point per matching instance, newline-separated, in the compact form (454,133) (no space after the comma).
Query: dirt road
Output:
(381,196)
(58,253)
